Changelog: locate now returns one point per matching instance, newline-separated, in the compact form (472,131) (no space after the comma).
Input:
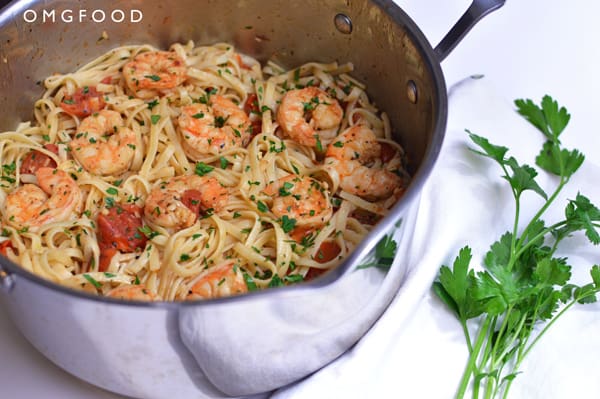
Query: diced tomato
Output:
(84,102)
(251,108)
(313,273)
(300,232)
(327,251)
(107,80)
(192,199)
(251,105)
(106,254)
(256,127)
(387,152)
(34,160)
(4,245)
(52,148)
(118,230)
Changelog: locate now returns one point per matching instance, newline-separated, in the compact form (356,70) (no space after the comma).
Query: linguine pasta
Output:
(267,209)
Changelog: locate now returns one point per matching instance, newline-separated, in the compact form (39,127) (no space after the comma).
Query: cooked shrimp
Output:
(132,293)
(218,282)
(309,116)
(301,198)
(355,155)
(177,203)
(154,72)
(55,198)
(103,145)
(214,127)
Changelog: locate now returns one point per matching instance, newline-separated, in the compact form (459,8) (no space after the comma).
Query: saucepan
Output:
(254,343)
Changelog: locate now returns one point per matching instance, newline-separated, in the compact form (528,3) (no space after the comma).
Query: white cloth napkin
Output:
(265,342)
(417,349)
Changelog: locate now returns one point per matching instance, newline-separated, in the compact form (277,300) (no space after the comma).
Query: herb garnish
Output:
(202,168)
(523,287)
(92,281)
(152,104)
(148,232)
(385,250)
(287,224)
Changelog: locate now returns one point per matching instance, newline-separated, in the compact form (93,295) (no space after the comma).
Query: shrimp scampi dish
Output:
(194,173)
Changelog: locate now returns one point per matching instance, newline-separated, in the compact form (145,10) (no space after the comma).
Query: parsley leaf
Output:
(549,118)
(454,284)
(262,207)
(202,168)
(152,104)
(580,215)
(385,251)
(154,78)
(224,162)
(495,152)
(148,232)
(287,224)
(92,281)
(250,284)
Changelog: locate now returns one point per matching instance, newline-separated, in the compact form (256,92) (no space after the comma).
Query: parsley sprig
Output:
(385,251)
(523,287)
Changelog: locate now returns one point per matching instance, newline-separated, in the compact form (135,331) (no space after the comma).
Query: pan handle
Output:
(477,10)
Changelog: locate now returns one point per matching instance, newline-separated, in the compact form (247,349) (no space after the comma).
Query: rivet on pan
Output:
(343,23)
(411,92)
(7,281)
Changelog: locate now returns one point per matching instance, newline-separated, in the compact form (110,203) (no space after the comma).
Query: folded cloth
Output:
(417,348)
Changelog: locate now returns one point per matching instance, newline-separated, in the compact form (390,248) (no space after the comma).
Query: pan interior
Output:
(42,38)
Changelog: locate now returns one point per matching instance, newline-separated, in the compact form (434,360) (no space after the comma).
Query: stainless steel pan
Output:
(158,350)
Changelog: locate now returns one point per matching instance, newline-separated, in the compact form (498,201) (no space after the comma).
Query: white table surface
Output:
(526,49)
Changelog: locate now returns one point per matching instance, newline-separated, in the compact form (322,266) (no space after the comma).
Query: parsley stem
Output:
(514,336)
(551,322)
(533,240)
(500,336)
(465,328)
(517,209)
(471,365)
(536,217)
(490,387)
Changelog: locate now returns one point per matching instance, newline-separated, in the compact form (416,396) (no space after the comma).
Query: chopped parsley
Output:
(261,206)
(250,284)
(287,224)
(224,162)
(92,281)
(148,232)
(152,104)
(202,168)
